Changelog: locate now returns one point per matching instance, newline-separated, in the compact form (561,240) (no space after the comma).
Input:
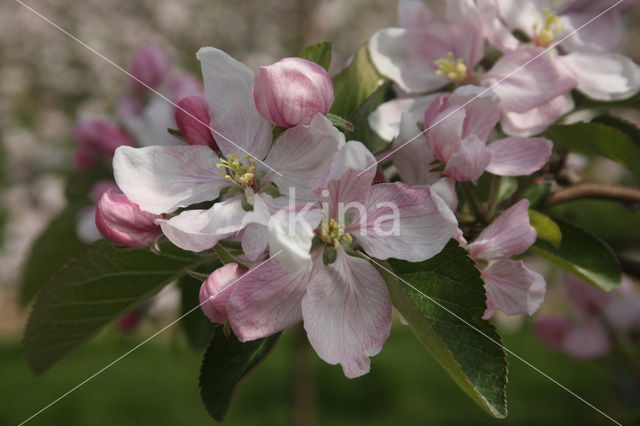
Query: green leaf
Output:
(583,255)
(476,362)
(196,325)
(546,228)
(59,242)
(598,139)
(354,84)
(360,119)
(93,290)
(226,363)
(50,252)
(626,127)
(319,53)
(537,195)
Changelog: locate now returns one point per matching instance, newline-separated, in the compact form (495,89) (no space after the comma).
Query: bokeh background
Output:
(46,79)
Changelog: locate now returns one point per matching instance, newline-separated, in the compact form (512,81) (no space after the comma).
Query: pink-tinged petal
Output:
(470,161)
(413,14)
(403,222)
(495,31)
(552,330)
(587,340)
(605,32)
(445,188)
(149,66)
(192,118)
(522,14)
(482,109)
(537,119)
(407,57)
(435,108)
(509,235)
(254,241)
(586,300)
(466,31)
(602,75)
(122,222)
(291,233)
(350,175)
(198,230)
(386,119)
(149,124)
(513,288)
(518,156)
(302,155)
(292,91)
(347,314)
(161,179)
(228,88)
(413,159)
(444,133)
(216,291)
(268,299)
(526,78)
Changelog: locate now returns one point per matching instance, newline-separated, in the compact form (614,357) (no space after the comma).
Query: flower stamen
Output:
(332,232)
(544,35)
(455,71)
(237,172)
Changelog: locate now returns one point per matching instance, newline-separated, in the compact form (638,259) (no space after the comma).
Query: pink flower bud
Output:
(216,290)
(192,117)
(150,65)
(130,320)
(97,138)
(292,91)
(122,222)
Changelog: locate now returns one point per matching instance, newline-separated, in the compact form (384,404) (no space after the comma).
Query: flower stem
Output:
(595,190)
(494,195)
(473,202)
(226,257)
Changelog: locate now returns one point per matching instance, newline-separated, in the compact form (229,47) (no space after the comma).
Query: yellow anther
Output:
(237,172)
(454,70)
(545,34)
(332,232)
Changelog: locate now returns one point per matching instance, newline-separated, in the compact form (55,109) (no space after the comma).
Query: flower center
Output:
(454,70)
(238,173)
(332,232)
(545,34)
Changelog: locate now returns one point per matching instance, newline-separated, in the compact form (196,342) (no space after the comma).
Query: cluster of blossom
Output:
(594,320)
(263,168)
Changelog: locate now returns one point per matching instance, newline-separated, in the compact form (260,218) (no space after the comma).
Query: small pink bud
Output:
(122,222)
(192,117)
(150,65)
(552,330)
(216,290)
(97,138)
(130,320)
(292,91)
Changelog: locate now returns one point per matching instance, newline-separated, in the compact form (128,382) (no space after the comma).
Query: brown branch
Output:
(595,190)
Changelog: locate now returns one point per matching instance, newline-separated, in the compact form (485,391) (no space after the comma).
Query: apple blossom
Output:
(342,299)
(292,91)
(191,113)
(97,138)
(162,179)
